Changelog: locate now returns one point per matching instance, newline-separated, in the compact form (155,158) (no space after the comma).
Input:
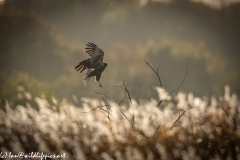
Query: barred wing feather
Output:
(94,52)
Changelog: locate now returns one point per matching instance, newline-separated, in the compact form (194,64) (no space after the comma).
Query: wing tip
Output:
(91,44)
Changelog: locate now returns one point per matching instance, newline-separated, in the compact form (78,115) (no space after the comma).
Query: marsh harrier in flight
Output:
(94,65)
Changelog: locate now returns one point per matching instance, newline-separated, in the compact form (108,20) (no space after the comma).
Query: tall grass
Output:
(208,129)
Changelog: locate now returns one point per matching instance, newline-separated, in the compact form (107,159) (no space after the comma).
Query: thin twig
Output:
(156,72)
(156,130)
(159,103)
(121,110)
(182,81)
(104,95)
(118,85)
(107,112)
(129,96)
(124,115)
(133,122)
(94,109)
(106,107)
(124,87)
(178,118)
(159,79)
(121,101)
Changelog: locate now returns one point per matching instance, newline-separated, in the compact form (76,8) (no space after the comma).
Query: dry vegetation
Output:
(183,127)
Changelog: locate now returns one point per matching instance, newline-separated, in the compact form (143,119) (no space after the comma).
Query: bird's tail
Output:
(86,78)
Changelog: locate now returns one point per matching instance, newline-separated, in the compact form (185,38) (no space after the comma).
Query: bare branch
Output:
(124,115)
(159,79)
(182,81)
(133,122)
(178,118)
(100,107)
(156,72)
(129,96)
(94,109)
(104,95)
(124,87)
(107,112)
(121,101)
(159,103)
(107,106)
(104,101)
(121,110)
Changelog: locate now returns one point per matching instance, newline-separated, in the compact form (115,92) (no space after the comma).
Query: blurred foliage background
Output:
(44,40)
(41,41)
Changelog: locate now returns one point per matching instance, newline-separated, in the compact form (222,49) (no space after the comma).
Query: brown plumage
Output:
(94,64)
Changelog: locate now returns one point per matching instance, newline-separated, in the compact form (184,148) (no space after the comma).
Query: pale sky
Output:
(217,3)
(212,3)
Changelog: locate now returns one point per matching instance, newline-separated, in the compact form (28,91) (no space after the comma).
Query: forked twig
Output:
(124,87)
(182,81)
(104,95)
(159,79)
(156,72)
(107,112)
(129,96)
(107,106)
(100,107)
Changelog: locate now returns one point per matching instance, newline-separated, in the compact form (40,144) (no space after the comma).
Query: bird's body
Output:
(94,64)
(95,72)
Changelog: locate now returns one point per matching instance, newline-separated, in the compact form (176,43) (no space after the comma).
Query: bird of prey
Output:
(94,65)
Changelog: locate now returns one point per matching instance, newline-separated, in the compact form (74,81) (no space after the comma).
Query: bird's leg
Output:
(100,85)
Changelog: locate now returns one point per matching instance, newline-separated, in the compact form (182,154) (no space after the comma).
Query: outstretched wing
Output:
(85,64)
(94,52)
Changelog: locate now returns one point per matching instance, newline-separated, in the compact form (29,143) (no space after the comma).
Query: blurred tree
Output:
(28,45)
(21,88)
